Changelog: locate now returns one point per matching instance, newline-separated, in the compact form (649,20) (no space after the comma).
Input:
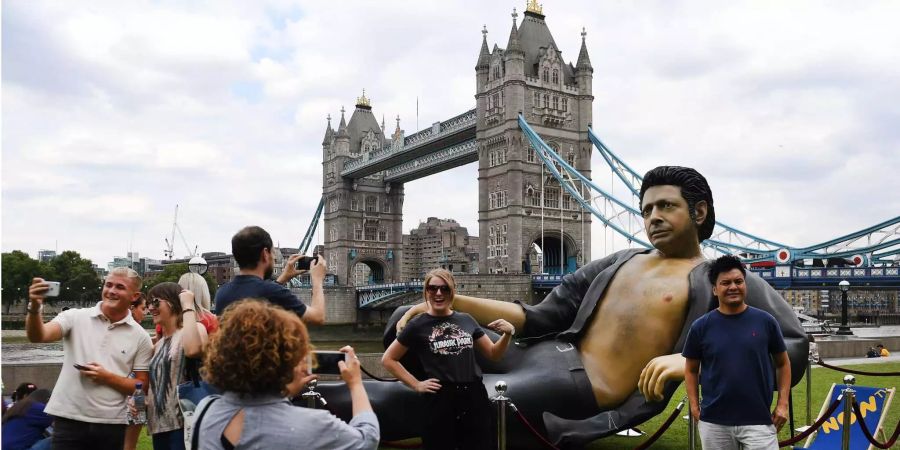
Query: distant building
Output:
(101,272)
(439,243)
(46,255)
(221,266)
(859,301)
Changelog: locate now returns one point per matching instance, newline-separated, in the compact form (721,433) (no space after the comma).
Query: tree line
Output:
(79,282)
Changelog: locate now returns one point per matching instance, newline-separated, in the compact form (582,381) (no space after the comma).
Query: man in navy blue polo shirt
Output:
(733,344)
(252,249)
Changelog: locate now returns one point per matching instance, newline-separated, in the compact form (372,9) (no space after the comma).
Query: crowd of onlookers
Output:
(117,380)
(248,358)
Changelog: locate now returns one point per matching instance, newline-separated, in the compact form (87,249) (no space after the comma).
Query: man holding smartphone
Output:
(252,249)
(101,346)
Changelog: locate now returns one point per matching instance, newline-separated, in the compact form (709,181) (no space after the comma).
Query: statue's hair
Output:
(694,188)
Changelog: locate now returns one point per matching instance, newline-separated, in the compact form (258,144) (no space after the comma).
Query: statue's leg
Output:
(548,378)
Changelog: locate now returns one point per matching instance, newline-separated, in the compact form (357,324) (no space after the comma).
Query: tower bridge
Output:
(530,133)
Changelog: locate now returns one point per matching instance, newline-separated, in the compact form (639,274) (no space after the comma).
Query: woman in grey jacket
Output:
(258,358)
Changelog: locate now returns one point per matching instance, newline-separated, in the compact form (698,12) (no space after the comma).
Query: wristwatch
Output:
(35,309)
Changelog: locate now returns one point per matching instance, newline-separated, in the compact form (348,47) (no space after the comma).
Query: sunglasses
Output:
(154,302)
(432,289)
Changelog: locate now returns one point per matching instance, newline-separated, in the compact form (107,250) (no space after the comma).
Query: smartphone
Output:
(53,291)
(80,367)
(304,262)
(327,362)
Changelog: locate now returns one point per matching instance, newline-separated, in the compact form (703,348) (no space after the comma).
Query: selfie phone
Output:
(80,367)
(53,290)
(304,262)
(328,362)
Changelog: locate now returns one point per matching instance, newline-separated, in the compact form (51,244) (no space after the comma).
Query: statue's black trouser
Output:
(546,376)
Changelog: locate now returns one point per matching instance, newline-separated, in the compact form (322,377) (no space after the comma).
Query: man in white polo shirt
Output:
(89,403)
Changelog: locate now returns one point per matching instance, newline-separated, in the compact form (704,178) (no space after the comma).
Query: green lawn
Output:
(675,438)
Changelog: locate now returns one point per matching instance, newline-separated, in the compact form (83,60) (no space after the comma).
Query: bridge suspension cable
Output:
(633,180)
(311,231)
(868,242)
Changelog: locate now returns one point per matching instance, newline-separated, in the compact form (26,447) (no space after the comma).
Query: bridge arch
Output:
(552,254)
(368,270)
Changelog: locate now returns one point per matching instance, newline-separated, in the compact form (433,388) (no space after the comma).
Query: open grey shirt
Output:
(272,422)
(566,311)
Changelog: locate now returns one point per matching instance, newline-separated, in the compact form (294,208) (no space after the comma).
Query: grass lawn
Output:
(675,438)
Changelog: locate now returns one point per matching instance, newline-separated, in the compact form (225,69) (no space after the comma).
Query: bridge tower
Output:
(363,217)
(529,77)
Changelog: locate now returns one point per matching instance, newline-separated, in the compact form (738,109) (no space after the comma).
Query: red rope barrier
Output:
(665,426)
(815,426)
(388,380)
(535,432)
(401,445)
(865,428)
(857,372)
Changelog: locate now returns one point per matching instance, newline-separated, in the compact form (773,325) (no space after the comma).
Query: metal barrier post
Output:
(692,431)
(311,396)
(502,401)
(813,358)
(849,395)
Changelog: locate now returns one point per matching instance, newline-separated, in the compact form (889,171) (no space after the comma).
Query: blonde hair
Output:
(443,274)
(129,273)
(197,285)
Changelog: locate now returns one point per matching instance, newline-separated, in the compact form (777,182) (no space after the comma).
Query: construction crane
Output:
(169,252)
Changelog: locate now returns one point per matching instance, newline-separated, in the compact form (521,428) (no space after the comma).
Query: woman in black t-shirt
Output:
(459,413)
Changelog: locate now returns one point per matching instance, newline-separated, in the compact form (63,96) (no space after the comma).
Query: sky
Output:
(114,112)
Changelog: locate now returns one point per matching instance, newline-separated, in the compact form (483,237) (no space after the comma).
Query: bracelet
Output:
(35,310)
(188,310)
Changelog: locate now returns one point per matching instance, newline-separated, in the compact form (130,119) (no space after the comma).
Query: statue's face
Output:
(667,218)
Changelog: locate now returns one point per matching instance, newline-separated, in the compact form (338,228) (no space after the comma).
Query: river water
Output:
(17,349)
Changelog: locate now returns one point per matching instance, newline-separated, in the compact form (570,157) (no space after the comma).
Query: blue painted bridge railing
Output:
(370,296)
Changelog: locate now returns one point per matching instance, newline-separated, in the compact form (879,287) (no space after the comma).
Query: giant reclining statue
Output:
(600,353)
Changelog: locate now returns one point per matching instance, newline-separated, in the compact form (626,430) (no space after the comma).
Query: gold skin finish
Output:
(642,313)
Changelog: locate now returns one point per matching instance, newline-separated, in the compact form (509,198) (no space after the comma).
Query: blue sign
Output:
(871,401)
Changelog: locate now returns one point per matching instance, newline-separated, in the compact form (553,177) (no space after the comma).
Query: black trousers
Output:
(77,435)
(459,416)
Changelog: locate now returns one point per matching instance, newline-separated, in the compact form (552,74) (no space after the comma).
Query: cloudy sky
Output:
(114,112)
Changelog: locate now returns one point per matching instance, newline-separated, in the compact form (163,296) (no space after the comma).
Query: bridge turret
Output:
(329,133)
(342,138)
(584,78)
(514,56)
(482,67)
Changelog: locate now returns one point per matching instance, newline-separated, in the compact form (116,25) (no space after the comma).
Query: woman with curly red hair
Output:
(258,358)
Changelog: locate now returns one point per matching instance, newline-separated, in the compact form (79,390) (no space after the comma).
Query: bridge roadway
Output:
(443,146)
(390,295)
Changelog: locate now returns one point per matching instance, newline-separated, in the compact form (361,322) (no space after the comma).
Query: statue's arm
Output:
(556,312)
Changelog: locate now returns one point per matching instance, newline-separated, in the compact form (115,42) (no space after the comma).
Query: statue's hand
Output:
(657,372)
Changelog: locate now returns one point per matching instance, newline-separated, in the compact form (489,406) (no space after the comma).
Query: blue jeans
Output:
(169,440)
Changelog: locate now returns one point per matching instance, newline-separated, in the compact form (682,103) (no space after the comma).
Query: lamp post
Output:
(844,329)
(198,265)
